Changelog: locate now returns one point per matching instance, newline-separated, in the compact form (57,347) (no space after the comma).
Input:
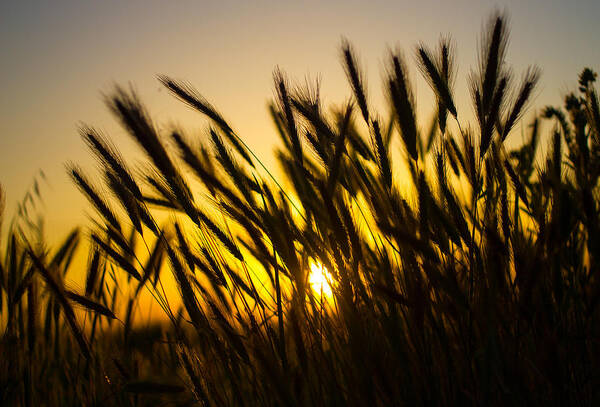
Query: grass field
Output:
(330,285)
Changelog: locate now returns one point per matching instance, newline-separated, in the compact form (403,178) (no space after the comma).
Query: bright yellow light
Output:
(320,280)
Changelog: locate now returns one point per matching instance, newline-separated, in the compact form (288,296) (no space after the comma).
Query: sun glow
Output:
(320,280)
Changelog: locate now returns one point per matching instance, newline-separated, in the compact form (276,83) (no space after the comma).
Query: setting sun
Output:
(320,280)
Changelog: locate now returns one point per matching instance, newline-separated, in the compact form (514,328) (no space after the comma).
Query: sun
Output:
(320,280)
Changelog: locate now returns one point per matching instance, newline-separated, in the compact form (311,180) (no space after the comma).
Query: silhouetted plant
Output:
(438,297)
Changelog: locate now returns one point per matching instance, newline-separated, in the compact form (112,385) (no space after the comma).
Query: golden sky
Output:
(58,57)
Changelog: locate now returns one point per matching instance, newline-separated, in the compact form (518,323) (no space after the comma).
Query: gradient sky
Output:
(58,57)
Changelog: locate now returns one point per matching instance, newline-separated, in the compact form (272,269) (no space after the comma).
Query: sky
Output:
(58,59)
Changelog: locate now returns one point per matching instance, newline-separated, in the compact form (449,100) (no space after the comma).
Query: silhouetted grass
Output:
(487,297)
